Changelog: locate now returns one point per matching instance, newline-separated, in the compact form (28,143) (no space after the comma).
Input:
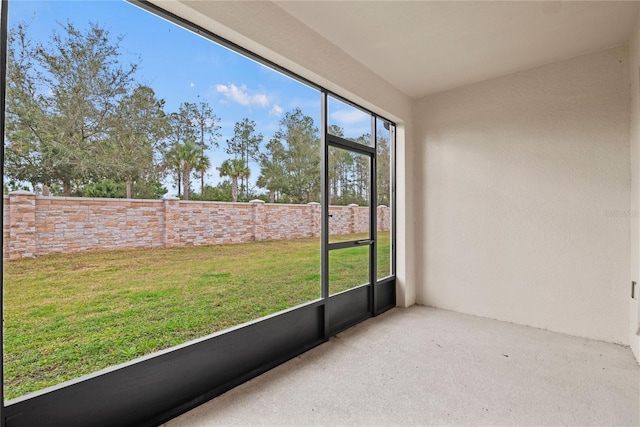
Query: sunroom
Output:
(476,191)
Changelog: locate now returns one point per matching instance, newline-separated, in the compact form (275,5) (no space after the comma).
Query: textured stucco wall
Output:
(526,194)
(634,210)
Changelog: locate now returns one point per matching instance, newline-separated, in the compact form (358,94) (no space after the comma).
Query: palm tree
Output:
(172,162)
(188,155)
(234,169)
(202,164)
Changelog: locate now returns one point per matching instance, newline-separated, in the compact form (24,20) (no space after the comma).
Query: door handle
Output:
(364,242)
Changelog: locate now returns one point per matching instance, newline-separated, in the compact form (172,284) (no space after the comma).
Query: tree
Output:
(61,98)
(105,188)
(205,125)
(341,163)
(137,138)
(335,166)
(349,172)
(202,165)
(195,124)
(221,192)
(180,132)
(150,190)
(245,145)
(188,156)
(23,161)
(361,174)
(172,163)
(234,169)
(272,169)
(383,164)
(301,159)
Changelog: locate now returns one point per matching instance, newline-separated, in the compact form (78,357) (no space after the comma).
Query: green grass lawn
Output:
(69,315)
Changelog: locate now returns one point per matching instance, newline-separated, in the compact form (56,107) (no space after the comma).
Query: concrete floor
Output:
(423,366)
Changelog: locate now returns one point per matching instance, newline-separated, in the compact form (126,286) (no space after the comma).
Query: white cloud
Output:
(260,100)
(242,96)
(192,84)
(350,117)
(276,110)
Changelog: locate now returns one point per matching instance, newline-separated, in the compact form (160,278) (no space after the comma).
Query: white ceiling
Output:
(423,47)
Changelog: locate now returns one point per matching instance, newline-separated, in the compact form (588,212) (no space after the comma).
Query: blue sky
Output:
(183,67)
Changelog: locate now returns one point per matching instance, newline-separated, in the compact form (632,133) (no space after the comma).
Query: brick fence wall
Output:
(39,225)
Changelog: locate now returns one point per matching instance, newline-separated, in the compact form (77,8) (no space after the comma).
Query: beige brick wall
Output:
(38,225)
(22,233)
(285,222)
(78,224)
(6,230)
(207,223)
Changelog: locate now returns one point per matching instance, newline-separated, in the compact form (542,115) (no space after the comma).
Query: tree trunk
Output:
(45,190)
(186,185)
(128,188)
(234,188)
(333,199)
(246,163)
(66,187)
(202,184)
(272,196)
(179,186)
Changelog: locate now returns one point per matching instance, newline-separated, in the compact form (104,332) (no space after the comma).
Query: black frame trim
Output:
(349,244)
(4,16)
(154,389)
(345,144)
(392,148)
(370,153)
(324,211)
(373,222)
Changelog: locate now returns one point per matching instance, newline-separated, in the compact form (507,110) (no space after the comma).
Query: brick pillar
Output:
(259,218)
(314,219)
(383,218)
(171,235)
(353,218)
(22,224)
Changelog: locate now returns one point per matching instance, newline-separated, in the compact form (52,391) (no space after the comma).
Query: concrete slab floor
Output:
(423,366)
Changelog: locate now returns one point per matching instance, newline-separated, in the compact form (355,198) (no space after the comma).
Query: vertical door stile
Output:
(373,222)
(324,220)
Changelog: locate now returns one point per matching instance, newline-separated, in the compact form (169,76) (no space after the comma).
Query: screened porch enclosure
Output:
(133,332)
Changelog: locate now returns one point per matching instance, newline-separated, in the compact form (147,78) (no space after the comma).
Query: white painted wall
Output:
(525,197)
(634,211)
(267,30)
